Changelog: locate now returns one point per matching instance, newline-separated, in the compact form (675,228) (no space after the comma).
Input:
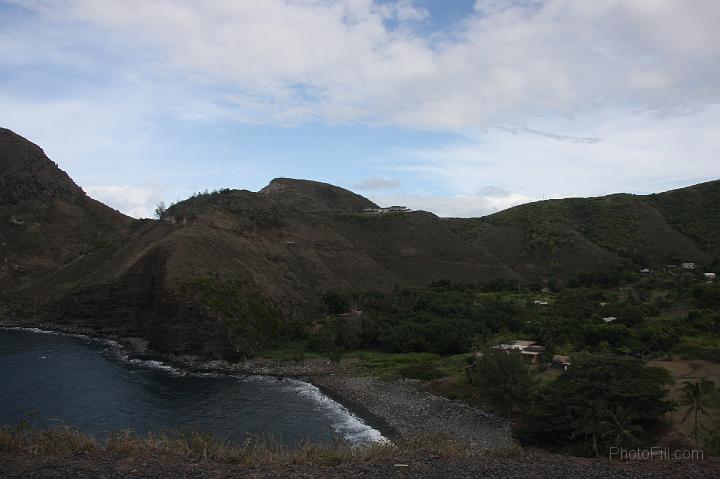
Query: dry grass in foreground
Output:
(201,447)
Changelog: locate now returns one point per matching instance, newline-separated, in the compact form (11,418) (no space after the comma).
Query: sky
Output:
(457,107)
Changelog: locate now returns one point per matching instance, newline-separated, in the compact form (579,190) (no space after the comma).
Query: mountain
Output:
(220,274)
(46,220)
(555,237)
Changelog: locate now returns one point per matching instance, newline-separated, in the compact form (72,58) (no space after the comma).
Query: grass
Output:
(201,447)
(698,347)
(296,350)
(392,365)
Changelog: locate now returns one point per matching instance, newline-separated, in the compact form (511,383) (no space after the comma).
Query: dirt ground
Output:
(690,369)
(529,464)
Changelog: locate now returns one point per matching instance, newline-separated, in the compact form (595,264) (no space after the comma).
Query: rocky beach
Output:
(408,412)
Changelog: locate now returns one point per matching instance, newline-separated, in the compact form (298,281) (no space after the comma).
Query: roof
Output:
(535,348)
(561,359)
(523,344)
(530,353)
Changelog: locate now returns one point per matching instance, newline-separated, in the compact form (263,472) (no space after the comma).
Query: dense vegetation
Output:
(448,318)
(250,321)
(441,319)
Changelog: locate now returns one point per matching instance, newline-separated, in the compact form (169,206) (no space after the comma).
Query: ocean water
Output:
(53,379)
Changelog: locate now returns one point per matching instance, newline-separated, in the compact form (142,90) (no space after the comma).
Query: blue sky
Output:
(457,107)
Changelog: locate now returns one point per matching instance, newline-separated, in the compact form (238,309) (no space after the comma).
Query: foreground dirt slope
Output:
(529,464)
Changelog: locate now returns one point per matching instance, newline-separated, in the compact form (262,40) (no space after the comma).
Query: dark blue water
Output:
(52,379)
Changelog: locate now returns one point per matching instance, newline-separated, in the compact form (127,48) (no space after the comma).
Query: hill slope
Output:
(46,220)
(555,237)
(220,274)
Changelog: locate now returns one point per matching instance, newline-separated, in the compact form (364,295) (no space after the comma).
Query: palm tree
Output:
(697,396)
(588,422)
(620,426)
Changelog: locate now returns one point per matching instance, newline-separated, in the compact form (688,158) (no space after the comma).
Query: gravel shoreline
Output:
(405,412)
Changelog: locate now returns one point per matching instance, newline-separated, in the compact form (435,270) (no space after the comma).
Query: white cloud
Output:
(639,153)
(133,201)
(288,61)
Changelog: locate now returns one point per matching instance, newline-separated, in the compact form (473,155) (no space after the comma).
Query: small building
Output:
(533,352)
(391,209)
(522,344)
(560,362)
(609,319)
(688,265)
(645,271)
(518,344)
(540,303)
(529,349)
(709,276)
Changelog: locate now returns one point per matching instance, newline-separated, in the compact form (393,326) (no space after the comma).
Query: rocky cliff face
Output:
(221,272)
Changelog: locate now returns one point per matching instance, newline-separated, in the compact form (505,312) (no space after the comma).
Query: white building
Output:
(391,209)
(688,265)
(518,344)
(609,319)
(709,276)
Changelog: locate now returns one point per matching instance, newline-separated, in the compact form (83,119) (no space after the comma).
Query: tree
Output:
(587,421)
(556,418)
(504,380)
(698,397)
(620,426)
(160,209)
(335,303)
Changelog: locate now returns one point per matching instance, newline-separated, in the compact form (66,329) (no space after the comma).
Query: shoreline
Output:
(396,409)
(135,348)
(409,412)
